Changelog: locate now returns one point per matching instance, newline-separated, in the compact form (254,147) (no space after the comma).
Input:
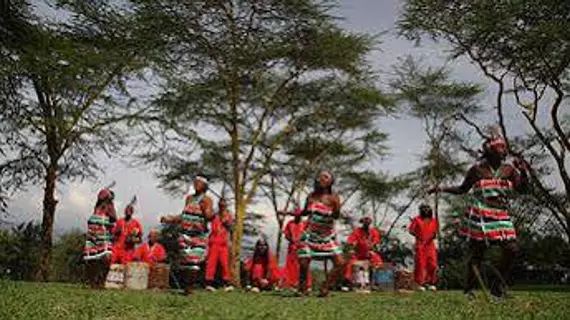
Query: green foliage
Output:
(527,38)
(67,263)
(254,71)
(19,251)
(252,231)
(394,251)
(440,103)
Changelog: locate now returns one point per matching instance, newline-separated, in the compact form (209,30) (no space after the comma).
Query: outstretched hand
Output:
(520,164)
(433,190)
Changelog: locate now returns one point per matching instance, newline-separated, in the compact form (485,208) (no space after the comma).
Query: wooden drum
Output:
(159,276)
(115,277)
(404,281)
(136,276)
(356,268)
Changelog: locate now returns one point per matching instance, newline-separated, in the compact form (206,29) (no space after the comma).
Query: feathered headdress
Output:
(131,206)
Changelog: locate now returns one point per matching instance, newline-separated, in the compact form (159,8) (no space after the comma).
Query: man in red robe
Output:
(219,248)
(151,252)
(262,270)
(363,240)
(127,234)
(424,228)
(293,232)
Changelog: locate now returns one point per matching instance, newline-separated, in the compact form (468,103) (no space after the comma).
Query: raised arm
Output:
(228,222)
(336,206)
(171,219)
(520,176)
(470,179)
(112,213)
(206,204)
(305,211)
(412,227)
(287,232)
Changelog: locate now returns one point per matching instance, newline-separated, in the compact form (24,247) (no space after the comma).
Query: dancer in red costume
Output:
(98,246)
(424,228)
(262,271)
(151,252)
(219,247)
(128,233)
(363,240)
(293,232)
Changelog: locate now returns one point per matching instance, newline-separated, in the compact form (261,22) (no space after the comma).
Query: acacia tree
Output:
(337,142)
(62,97)
(442,106)
(240,77)
(523,48)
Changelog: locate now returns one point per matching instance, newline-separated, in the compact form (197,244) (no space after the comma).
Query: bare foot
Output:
(323,292)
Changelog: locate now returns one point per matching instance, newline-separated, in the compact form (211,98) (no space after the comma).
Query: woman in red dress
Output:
(151,252)
(424,228)
(293,232)
(262,271)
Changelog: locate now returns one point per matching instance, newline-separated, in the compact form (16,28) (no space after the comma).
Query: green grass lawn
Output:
(59,301)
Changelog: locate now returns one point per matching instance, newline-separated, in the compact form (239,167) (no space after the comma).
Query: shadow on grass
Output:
(541,287)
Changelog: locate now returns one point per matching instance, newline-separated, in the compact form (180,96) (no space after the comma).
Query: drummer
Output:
(151,252)
(127,233)
(362,242)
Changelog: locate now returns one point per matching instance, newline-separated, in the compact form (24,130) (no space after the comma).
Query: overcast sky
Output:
(406,135)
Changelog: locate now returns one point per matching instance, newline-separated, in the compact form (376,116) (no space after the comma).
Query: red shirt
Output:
(219,234)
(363,241)
(293,232)
(126,229)
(424,229)
(150,255)
(263,267)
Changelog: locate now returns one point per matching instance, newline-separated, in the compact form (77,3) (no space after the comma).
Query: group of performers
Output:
(311,234)
(117,241)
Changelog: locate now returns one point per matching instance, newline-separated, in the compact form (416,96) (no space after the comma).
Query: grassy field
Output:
(58,301)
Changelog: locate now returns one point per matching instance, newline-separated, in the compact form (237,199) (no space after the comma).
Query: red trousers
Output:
(221,255)
(426,263)
(292,271)
(123,255)
(374,259)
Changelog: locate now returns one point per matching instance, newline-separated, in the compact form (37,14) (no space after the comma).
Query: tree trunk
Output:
(279,240)
(238,236)
(49,205)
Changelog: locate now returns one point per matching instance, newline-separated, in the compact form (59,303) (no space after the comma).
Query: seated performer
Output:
(127,233)
(262,271)
(193,240)
(362,242)
(151,252)
(293,231)
(98,246)
(424,228)
(219,247)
